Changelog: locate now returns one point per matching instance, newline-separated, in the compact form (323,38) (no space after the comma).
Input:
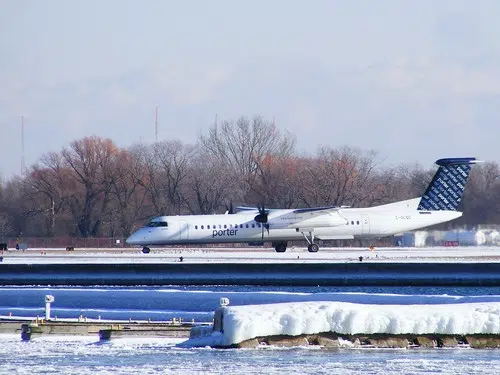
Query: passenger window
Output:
(208,226)
(352,222)
(202,227)
(196,227)
(253,225)
(357,222)
(225,226)
(246,225)
(241,225)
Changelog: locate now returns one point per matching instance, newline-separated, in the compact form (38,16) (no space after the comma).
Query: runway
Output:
(295,255)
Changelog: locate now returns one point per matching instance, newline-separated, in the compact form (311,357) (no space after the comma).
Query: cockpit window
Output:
(154,224)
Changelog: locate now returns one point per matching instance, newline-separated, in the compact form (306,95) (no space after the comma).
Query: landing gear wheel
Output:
(280,248)
(313,248)
(146,250)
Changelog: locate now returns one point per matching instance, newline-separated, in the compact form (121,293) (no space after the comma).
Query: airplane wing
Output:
(245,209)
(316,209)
(311,210)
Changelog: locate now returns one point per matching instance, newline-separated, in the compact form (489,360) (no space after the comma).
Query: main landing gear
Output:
(312,247)
(280,247)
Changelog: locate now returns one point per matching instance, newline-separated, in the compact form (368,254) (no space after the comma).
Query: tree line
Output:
(93,188)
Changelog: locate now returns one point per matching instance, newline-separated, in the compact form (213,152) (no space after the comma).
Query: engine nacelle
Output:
(308,221)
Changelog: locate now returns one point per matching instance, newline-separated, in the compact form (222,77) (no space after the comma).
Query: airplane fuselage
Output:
(284,225)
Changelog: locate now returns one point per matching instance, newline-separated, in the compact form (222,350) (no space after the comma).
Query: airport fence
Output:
(64,242)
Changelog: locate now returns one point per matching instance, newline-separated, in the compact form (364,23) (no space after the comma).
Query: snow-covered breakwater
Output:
(234,325)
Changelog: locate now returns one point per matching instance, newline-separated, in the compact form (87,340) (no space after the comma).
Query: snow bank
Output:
(240,323)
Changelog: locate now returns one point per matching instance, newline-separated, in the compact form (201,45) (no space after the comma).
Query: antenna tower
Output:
(156,124)
(23,165)
(216,124)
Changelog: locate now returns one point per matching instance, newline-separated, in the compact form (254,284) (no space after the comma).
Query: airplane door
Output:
(183,230)
(365,224)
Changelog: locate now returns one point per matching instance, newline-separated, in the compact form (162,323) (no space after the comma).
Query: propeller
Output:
(262,218)
(230,209)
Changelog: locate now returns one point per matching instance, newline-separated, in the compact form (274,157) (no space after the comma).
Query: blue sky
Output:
(414,80)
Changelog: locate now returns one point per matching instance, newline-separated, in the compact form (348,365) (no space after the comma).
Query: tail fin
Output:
(446,188)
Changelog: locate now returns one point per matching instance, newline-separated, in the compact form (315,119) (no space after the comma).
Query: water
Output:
(86,355)
(198,303)
(59,355)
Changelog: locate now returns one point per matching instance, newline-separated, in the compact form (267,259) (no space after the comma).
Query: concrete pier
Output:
(105,331)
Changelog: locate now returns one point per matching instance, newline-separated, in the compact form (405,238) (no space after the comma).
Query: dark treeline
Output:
(94,188)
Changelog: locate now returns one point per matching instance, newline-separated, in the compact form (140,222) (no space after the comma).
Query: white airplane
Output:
(438,205)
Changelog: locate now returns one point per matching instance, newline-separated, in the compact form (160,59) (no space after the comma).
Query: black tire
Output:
(313,248)
(280,248)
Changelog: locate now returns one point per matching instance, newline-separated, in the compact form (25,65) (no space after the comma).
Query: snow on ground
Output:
(242,323)
(253,255)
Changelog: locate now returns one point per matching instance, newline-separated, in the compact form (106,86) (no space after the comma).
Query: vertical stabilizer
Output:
(447,186)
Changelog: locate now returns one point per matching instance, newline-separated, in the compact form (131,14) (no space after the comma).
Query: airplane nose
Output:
(131,240)
(136,238)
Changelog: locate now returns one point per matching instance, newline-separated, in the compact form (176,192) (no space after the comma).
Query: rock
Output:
(390,342)
(447,342)
(327,342)
(483,341)
(287,341)
(248,344)
(425,342)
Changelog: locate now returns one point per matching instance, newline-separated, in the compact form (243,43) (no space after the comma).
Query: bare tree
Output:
(164,172)
(173,160)
(243,145)
(129,196)
(481,202)
(5,227)
(343,176)
(15,206)
(45,192)
(279,180)
(210,185)
(90,162)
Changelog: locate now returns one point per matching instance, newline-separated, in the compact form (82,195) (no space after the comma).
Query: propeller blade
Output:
(262,216)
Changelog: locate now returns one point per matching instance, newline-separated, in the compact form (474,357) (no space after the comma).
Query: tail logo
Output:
(447,186)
